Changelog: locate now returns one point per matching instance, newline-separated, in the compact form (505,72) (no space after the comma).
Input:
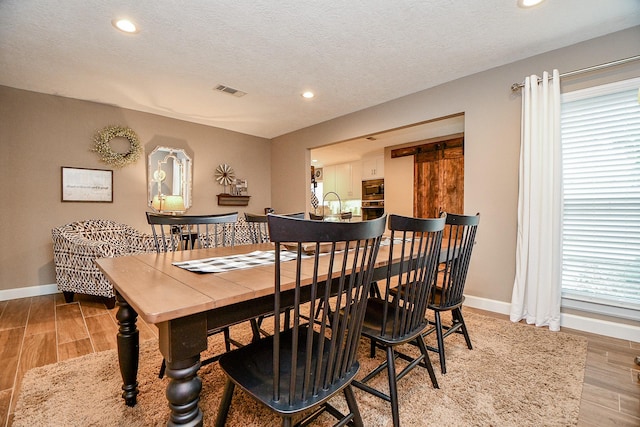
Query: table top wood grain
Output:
(160,291)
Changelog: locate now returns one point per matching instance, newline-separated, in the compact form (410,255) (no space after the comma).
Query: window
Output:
(600,130)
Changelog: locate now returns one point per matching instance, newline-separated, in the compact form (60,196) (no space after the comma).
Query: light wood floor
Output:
(41,330)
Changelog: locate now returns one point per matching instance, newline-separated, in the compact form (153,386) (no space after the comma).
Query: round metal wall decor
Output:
(224,174)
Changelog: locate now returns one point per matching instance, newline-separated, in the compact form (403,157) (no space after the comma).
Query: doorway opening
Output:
(398,173)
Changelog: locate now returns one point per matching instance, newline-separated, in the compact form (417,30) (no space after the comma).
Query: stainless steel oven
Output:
(372,199)
(372,209)
(373,189)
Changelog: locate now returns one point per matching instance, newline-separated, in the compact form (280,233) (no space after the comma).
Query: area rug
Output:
(516,375)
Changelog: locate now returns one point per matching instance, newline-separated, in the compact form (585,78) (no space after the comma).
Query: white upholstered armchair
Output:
(77,245)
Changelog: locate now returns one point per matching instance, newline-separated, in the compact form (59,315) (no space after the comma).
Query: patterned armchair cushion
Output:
(77,245)
(243,234)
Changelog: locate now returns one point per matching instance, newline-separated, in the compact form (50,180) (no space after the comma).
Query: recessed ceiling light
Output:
(308,95)
(529,3)
(125,25)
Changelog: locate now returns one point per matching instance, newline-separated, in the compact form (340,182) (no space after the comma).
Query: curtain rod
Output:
(517,86)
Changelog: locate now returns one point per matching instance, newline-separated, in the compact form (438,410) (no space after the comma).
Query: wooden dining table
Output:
(184,305)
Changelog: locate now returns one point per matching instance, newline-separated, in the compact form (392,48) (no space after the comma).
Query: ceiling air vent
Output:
(230,90)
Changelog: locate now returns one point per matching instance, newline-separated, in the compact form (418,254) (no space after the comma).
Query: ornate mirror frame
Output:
(169,174)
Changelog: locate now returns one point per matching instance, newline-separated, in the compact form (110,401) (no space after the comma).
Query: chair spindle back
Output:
(186,232)
(320,357)
(460,239)
(417,241)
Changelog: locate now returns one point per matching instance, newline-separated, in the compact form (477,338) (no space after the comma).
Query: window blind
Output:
(600,131)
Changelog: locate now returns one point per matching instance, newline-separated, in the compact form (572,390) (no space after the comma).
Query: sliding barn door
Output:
(439,179)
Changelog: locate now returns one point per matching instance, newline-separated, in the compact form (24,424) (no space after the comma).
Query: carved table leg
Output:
(128,349)
(181,341)
(183,392)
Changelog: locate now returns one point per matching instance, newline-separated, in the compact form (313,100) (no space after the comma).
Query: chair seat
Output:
(437,303)
(251,368)
(373,319)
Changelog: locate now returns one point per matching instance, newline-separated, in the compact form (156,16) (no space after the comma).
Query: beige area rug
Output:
(516,375)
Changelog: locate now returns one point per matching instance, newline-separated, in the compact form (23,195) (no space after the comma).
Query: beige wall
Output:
(398,184)
(492,141)
(40,133)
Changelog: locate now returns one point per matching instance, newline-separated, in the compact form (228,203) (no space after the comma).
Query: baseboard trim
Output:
(31,291)
(487,304)
(601,327)
(572,321)
(587,324)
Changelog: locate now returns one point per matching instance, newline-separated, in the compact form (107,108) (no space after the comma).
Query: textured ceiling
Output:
(353,54)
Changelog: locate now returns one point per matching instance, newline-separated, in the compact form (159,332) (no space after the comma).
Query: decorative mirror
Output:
(169,177)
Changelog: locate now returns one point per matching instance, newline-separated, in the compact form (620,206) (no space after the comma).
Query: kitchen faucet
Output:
(339,201)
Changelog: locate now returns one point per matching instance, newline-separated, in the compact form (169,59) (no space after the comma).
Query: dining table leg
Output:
(181,342)
(128,349)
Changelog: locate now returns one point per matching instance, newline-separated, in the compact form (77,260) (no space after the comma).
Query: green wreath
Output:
(110,157)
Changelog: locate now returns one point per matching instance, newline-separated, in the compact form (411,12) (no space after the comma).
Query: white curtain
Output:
(537,285)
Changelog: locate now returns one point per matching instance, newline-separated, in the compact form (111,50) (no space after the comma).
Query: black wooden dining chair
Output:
(258,228)
(259,233)
(448,293)
(186,232)
(299,215)
(301,366)
(399,317)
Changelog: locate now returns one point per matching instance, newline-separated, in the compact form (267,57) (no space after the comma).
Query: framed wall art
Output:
(87,185)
